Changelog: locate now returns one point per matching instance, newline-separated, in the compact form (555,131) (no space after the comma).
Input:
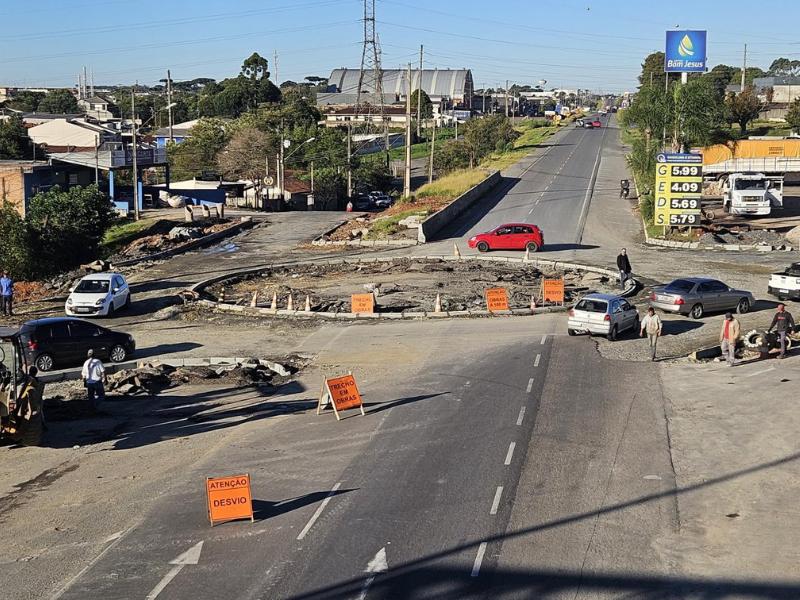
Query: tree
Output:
(66,227)
(427,105)
(255,67)
(784,67)
(373,175)
(653,70)
(14,140)
(451,156)
(483,136)
(749,75)
(15,255)
(245,155)
(694,115)
(793,115)
(25,101)
(720,77)
(59,102)
(199,152)
(743,107)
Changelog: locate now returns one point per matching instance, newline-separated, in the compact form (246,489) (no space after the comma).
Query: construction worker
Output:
(93,374)
(783,323)
(651,325)
(728,337)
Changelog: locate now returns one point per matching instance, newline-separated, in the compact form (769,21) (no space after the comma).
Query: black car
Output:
(62,341)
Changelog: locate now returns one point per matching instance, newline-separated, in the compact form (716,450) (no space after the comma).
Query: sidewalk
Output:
(735,452)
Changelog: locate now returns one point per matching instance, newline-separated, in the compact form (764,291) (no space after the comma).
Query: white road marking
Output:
(378,564)
(476,567)
(536,360)
(544,338)
(318,512)
(761,372)
(114,539)
(521,415)
(496,501)
(530,385)
(510,453)
(190,557)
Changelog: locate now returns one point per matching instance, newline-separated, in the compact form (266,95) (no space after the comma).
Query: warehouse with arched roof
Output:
(450,84)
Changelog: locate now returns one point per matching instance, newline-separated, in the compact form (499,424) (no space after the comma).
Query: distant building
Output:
(70,135)
(336,116)
(97,107)
(21,180)
(180,131)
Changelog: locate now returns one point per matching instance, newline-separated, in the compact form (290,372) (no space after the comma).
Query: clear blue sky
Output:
(588,44)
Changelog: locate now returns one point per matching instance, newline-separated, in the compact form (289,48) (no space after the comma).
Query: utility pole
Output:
(135,165)
(407,177)
(312,176)
(419,93)
(282,165)
(744,67)
(96,160)
(349,169)
(275,65)
(433,146)
(169,104)
(506,94)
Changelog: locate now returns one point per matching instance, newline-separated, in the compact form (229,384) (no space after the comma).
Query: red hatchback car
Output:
(511,236)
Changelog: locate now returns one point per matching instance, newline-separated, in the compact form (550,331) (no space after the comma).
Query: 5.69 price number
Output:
(684,203)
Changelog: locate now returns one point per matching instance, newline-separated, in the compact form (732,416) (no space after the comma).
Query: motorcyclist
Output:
(624,188)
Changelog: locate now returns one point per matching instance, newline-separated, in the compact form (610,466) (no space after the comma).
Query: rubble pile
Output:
(752,237)
(173,238)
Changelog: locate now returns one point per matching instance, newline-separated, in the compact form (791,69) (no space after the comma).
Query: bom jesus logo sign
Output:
(685,52)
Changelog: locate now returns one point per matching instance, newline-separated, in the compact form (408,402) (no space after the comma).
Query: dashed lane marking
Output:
(536,360)
(496,502)
(521,415)
(530,385)
(476,567)
(318,512)
(510,453)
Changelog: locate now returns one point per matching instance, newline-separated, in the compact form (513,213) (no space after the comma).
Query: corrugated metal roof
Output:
(452,83)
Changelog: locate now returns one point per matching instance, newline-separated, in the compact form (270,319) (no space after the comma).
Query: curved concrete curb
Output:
(195,291)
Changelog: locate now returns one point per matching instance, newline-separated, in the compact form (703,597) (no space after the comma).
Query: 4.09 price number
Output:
(686,187)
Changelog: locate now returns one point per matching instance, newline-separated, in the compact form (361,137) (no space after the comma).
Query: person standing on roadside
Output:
(651,325)
(624,266)
(94,375)
(783,323)
(6,294)
(728,338)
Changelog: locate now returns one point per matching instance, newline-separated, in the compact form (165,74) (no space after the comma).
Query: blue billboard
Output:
(685,52)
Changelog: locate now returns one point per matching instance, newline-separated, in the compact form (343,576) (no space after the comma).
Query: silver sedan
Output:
(697,296)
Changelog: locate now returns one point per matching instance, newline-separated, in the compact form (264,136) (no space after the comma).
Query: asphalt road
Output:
(551,188)
(475,474)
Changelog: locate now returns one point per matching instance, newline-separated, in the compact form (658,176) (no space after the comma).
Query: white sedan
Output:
(99,294)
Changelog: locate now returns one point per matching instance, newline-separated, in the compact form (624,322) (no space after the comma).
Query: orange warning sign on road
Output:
(229,498)
(362,303)
(496,299)
(553,290)
(342,392)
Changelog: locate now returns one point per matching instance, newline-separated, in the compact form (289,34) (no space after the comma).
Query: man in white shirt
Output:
(651,325)
(93,375)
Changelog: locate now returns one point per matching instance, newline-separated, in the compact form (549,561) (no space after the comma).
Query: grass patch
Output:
(124,231)
(533,135)
(453,184)
(387,226)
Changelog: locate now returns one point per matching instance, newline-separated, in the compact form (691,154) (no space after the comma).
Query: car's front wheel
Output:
(697,311)
(743,306)
(118,353)
(482,247)
(44,362)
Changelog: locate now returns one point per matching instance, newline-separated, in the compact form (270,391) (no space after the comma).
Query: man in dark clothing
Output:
(783,322)
(624,266)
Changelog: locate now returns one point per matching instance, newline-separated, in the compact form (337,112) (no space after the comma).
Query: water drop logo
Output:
(686,47)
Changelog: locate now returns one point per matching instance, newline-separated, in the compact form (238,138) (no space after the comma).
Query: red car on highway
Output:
(511,236)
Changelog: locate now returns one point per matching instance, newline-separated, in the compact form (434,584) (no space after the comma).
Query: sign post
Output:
(342,393)
(679,187)
(229,498)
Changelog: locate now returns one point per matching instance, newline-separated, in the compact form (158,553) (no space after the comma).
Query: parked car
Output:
(363,203)
(511,236)
(785,285)
(697,296)
(98,294)
(59,342)
(596,123)
(383,200)
(602,314)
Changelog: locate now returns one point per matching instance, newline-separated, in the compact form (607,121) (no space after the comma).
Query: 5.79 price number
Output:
(684,220)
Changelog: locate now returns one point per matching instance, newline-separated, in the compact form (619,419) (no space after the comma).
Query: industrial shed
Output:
(450,84)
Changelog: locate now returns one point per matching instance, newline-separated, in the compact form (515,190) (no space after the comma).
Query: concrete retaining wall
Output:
(437,221)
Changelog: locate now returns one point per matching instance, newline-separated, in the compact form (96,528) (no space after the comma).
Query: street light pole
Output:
(135,165)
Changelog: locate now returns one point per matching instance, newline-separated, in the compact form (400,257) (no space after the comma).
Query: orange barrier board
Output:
(496,299)
(362,303)
(229,498)
(553,290)
(342,392)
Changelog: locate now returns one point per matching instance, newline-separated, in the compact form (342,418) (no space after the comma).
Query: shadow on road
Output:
(264,509)
(430,576)
(561,247)
(477,211)
(166,349)
(379,407)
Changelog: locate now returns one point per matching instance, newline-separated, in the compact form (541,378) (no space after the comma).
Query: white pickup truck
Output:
(786,284)
(752,194)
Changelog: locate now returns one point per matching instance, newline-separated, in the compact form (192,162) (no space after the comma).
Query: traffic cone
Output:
(437,307)
(289,304)
(274,305)
(222,294)
(533,302)
(456,251)
(254,299)
(308,304)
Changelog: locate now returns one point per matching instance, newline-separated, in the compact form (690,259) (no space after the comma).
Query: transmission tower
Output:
(370,75)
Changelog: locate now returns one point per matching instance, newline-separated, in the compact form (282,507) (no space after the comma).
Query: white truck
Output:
(752,194)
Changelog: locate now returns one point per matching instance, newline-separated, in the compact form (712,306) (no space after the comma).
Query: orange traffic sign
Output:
(362,303)
(229,498)
(553,290)
(342,392)
(496,299)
